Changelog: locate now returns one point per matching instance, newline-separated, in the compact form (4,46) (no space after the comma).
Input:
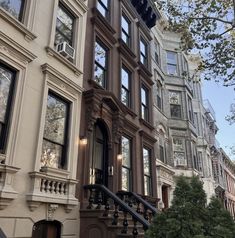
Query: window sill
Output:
(95,84)
(63,60)
(146,123)
(51,186)
(126,51)
(144,71)
(130,111)
(29,36)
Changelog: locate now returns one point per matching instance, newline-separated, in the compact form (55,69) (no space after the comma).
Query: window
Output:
(144,103)
(7,79)
(159,95)
(55,132)
(190,110)
(162,155)
(125,91)
(100,72)
(147,172)
(64,26)
(185,68)
(125,23)
(143,53)
(179,152)
(175,104)
(14,7)
(102,6)
(171,63)
(157,53)
(126,164)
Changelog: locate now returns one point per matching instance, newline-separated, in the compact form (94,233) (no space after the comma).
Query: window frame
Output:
(9,108)
(190,110)
(157,53)
(145,107)
(63,161)
(105,8)
(129,169)
(127,90)
(143,55)
(176,105)
(106,67)
(148,177)
(175,64)
(72,16)
(123,31)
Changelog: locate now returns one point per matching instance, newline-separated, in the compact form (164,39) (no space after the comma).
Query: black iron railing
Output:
(101,197)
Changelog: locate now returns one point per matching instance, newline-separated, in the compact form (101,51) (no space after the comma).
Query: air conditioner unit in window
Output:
(66,50)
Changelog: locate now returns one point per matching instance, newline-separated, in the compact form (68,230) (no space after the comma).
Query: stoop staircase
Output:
(110,215)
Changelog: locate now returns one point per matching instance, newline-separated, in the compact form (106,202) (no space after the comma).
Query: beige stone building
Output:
(41,76)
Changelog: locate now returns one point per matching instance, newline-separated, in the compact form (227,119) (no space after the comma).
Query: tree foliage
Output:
(207,26)
(190,217)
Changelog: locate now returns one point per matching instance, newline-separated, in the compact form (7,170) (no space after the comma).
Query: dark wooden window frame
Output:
(127,34)
(148,176)
(104,69)
(144,106)
(5,126)
(62,163)
(105,8)
(127,90)
(68,12)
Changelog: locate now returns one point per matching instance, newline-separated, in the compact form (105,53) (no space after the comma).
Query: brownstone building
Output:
(116,123)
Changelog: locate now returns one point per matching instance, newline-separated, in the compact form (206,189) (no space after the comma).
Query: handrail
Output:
(122,204)
(139,199)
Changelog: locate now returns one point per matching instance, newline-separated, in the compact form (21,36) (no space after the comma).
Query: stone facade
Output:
(37,190)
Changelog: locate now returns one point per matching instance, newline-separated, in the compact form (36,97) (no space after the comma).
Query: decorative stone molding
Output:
(14,49)
(51,186)
(29,36)
(7,193)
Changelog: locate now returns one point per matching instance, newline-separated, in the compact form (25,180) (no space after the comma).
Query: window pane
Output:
(125,179)
(14,7)
(146,162)
(143,96)
(55,120)
(6,79)
(146,185)
(171,69)
(51,154)
(64,26)
(99,75)
(142,48)
(125,97)
(125,78)
(126,152)
(175,110)
(100,54)
(125,24)
(102,6)
(171,58)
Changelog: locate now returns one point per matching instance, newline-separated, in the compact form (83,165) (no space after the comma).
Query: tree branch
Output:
(227,31)
(211,18)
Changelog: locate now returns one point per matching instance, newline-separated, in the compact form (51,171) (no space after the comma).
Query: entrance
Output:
(100,154)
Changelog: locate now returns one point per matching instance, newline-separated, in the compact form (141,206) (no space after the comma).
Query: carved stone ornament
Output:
(51,211)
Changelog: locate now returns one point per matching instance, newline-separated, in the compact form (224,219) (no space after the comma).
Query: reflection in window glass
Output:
(14,7)
(147,173)
(54,137)
(64,26)
(100,64)
(125,30)
(102,6)
(125,91)
(171,63)
(6,90)
(126,164)
(143,52)
(144,103)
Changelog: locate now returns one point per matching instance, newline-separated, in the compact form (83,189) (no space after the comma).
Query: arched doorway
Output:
(46,229)
(99,160)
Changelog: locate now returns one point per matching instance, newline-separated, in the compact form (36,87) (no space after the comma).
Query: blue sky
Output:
(220,98)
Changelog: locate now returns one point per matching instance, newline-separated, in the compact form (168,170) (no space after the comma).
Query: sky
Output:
(220,98)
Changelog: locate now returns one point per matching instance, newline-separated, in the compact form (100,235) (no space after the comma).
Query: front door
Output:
(100,155)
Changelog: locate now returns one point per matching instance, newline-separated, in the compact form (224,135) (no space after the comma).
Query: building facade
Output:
(41,75)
